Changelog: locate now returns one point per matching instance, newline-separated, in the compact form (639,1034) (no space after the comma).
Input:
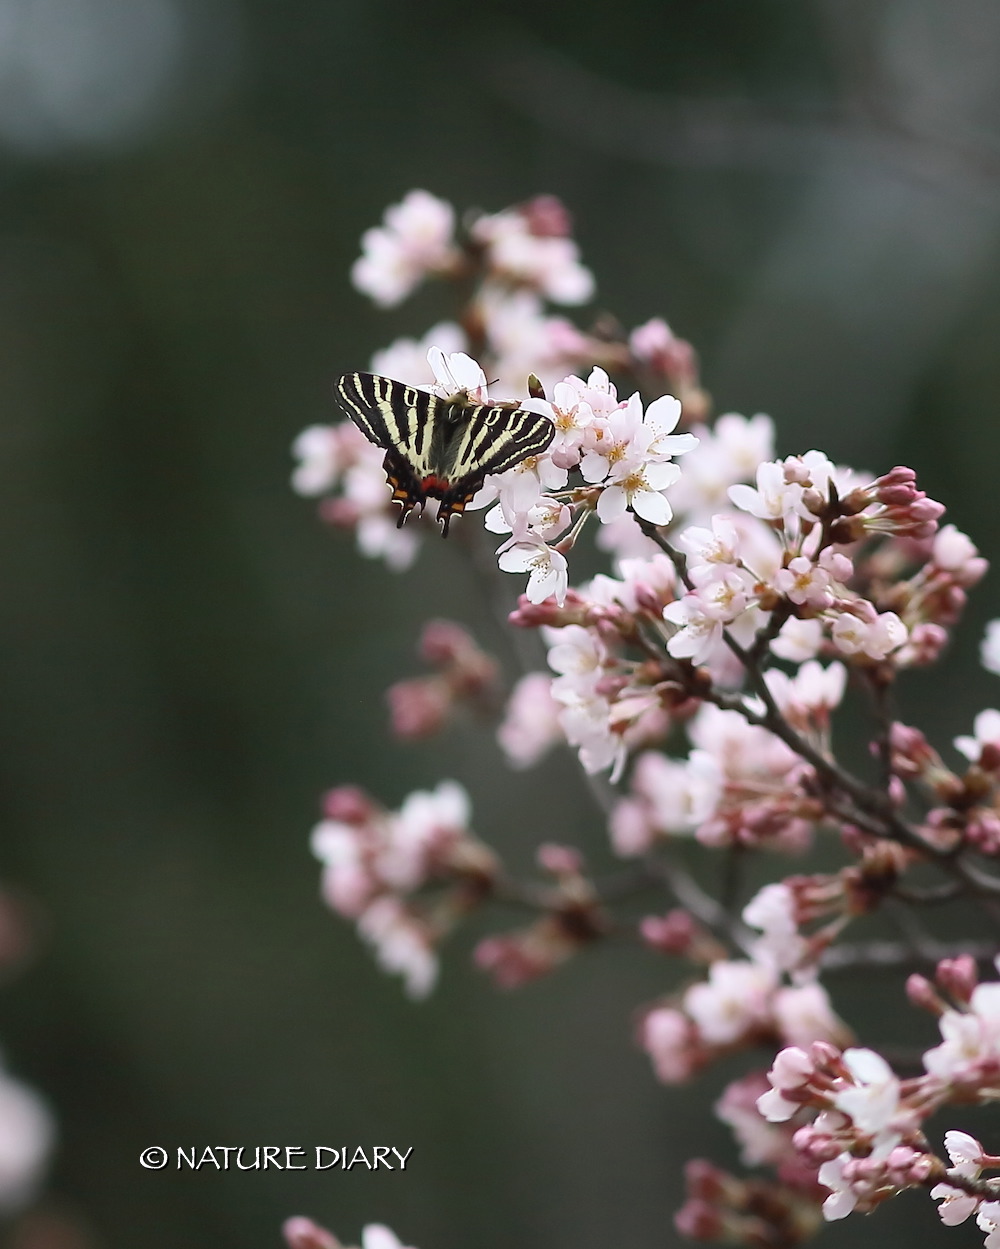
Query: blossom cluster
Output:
(464,677)
(376,862)
(699,680)
(517,260)
(741,1004)
(861,1124)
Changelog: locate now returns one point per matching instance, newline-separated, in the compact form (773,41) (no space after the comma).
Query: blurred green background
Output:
(808,190)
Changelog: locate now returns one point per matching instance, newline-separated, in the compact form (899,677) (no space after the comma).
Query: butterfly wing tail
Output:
(406,489)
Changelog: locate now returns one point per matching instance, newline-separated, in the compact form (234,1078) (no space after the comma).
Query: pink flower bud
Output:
(824,1055)
(983,827)
(697,1220)
(921,1169)
(349,804)
(418,708)
(925,510)
(896,488)
(672,933)
(793,1067)
(515,959)
(546,216)
(922,993)
(958,976)
(837,564)
(529,615)
(559,860)
(817,1146)
(300,1233)
(925,643)
(444,642)
(703,1180)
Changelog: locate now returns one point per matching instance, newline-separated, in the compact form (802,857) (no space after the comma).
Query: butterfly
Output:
(438,448)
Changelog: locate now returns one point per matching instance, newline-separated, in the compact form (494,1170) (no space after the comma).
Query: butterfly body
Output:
(439,448)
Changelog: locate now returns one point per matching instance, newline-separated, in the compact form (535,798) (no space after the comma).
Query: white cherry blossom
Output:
(734,999)
(989,649)
(985,732)
(639,487)
(547,566)
(773,498)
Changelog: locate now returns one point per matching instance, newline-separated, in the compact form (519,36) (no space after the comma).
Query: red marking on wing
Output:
(434,485)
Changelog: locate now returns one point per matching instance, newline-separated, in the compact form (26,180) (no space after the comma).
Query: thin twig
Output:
(891,955)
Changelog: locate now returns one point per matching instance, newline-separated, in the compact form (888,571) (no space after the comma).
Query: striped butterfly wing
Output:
(405,422)
(438,448)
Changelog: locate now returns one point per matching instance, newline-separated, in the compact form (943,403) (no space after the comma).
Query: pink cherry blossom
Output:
(732,1002)
(531,723)
(876,637)
(988,1221)
(548,263)
(804,1013)
(843,1198)
(798,640)
(671,1041)
(415,240)
(966,1154)
(402,944)
(803,581)
(572,417)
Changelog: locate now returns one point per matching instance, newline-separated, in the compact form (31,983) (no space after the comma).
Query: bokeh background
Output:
(807,189)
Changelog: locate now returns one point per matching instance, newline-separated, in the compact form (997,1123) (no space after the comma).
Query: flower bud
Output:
(672,933)
(418,708)
(300,1233)
(349,804)
(559,860)
(958,977)
(922,993)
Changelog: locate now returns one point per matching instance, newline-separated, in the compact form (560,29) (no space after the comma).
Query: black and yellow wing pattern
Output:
(438,448)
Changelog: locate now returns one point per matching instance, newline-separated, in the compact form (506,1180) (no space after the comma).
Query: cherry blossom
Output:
(547,568)
(989,650)
(639,487)
(734,999)
(773,498)
(985,733)
(531,724)
(520,251)
(966,1154)
(416,239)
